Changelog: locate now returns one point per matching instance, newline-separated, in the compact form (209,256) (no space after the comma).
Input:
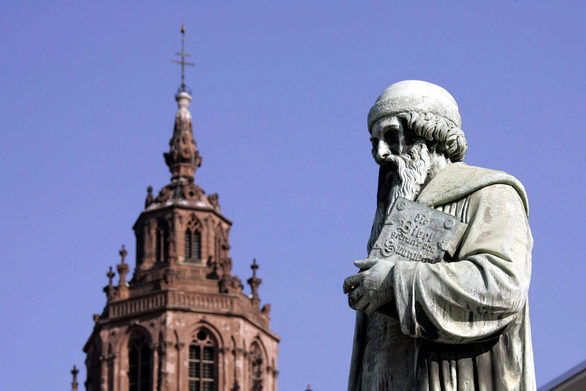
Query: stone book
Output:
(415,232)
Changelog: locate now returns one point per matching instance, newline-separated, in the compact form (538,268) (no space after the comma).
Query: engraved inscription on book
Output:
(415,232)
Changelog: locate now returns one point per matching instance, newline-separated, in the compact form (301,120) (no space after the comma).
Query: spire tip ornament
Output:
(183,63)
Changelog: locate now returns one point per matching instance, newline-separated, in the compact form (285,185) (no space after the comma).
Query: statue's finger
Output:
(365,263)
(352,282)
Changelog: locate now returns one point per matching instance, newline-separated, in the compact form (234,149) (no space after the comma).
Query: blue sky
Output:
(280,96)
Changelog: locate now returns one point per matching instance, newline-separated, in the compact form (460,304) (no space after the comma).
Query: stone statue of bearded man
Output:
(461,323)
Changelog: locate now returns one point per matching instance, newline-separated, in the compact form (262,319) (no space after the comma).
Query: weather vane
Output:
(183,63)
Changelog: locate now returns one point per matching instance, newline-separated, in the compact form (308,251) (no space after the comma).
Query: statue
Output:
(455,317)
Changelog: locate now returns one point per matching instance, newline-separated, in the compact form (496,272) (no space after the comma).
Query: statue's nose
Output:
(383,151)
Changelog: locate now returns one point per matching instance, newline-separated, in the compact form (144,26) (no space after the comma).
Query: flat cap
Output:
(414,95)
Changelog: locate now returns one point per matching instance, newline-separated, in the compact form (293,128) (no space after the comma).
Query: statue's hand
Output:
(371,287)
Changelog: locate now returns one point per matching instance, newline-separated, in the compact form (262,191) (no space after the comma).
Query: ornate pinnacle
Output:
(123,253)
(254,282)
(110,276)
(122,268)
(149,198)
(74,385)
(110,290)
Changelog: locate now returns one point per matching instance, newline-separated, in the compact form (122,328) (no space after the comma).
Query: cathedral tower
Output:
(182,322)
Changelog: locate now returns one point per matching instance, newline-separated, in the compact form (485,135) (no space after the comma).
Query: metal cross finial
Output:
(123,253)
(182,62)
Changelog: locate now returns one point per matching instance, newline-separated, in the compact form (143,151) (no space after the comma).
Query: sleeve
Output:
(485,286)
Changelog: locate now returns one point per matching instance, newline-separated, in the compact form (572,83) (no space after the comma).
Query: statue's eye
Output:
(408,138)
(392,137)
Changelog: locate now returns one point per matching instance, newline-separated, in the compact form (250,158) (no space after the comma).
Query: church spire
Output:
(183,157)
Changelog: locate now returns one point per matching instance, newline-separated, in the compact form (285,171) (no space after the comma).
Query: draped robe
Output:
(462,323)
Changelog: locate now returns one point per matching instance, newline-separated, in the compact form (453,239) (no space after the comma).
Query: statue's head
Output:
(414,112)
(415,132)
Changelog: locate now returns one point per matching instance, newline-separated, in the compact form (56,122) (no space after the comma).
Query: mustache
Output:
(393,167)
(415,153)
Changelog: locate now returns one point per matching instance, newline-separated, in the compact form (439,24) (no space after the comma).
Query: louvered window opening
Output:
(192,245)
(203,363)
(139,365)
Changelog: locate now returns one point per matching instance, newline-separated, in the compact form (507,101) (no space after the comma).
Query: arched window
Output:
(256,363)
(203,362)
(139,364)
(188,247)
(197,245)
(140,240)
(193,239)
(192,245)
(162,242)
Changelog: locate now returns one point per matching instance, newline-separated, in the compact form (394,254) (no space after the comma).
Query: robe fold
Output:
(463,323)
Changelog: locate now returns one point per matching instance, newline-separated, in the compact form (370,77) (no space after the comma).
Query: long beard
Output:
(400,176)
